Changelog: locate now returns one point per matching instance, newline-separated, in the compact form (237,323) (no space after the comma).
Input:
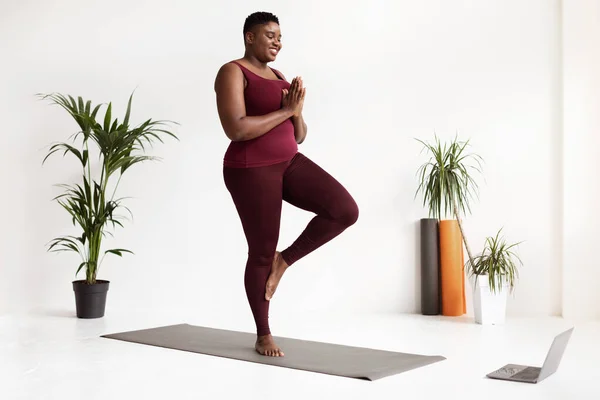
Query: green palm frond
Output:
(446,178)
(120,147)
(498,261)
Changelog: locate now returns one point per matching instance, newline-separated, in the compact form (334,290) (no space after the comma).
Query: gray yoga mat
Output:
(326,358)
(430,267)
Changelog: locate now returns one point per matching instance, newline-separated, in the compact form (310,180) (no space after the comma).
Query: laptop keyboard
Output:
(528,373)
(507,371)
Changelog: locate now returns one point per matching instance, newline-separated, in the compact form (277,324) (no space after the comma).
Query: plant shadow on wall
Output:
(448,186)
(92,205)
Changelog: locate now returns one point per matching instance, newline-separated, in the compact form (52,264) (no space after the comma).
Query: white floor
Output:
(52,355)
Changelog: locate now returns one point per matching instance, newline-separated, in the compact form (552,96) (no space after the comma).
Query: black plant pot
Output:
(90,300)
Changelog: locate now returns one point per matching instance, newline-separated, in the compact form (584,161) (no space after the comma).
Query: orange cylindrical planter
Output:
(451,269)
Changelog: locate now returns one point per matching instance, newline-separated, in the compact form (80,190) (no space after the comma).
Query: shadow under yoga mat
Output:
(326,358)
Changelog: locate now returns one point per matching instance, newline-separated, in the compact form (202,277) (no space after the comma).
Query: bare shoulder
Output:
(228,74)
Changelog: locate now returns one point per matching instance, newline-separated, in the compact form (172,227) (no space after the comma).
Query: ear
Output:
(249,37)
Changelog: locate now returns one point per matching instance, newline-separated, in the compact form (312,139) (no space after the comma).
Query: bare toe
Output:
(265,345)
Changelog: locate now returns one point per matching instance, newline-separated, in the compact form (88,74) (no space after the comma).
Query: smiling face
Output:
(264,41)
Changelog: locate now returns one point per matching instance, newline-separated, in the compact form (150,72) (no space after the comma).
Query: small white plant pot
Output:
(489,307)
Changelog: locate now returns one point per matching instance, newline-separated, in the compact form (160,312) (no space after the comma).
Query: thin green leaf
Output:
(107,119)
(118,252)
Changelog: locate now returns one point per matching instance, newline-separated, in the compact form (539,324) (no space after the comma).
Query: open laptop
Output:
(528,374)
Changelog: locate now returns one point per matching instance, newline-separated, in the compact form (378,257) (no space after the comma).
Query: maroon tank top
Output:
(263,96)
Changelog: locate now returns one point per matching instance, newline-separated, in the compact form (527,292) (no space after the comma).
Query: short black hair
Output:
(259,18)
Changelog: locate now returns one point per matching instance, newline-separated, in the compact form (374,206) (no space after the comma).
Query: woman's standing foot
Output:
(265,345)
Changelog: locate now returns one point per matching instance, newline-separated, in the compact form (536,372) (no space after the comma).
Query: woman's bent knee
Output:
(348,214)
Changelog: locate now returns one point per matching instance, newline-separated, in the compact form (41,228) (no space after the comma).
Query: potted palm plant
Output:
(494,272)
(448,187)
(91,204)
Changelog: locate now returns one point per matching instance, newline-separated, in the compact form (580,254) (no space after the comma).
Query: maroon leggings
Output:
(258,194)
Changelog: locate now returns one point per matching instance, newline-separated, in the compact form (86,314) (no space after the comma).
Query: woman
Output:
(261,113)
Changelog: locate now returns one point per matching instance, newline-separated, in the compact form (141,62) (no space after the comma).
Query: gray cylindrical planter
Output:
(430,267)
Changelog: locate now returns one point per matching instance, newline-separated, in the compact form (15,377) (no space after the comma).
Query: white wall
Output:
(581,124)
(378,75)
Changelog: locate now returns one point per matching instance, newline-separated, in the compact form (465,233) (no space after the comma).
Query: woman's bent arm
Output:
(229,88)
